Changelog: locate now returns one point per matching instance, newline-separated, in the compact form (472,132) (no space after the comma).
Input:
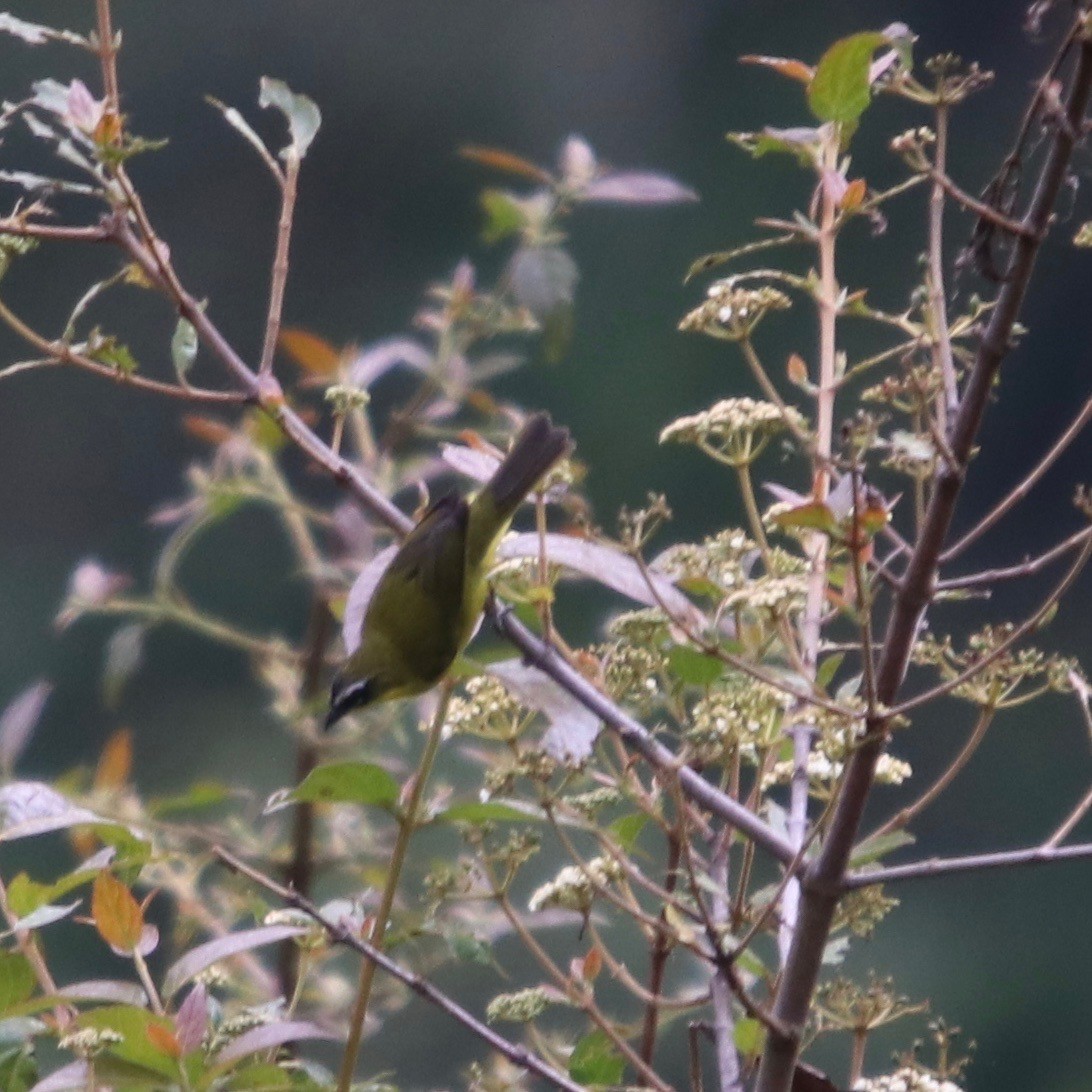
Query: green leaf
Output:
(627,829)
(800,142)
(108,350)
(18,1069)
(135,1047)
(202,794)
(183,348)
(840,90)
(263,1075)
(16,979)
(504,216)
(488,811)
(595,1061)
(349,783)
(468,948)
(828,669)
(12,247)
(876,848)
(694,667)
(750,1037)
(303,115)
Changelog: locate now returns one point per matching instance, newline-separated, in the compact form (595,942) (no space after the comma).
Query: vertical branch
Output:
(948,400)
(300,871)
(279,280)
(817,547)
(661,949)
(108,56)
(723,1016)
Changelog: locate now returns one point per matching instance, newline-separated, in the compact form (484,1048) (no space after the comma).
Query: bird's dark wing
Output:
(418,601)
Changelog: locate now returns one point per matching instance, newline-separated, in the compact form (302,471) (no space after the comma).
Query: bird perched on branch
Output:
(428,601)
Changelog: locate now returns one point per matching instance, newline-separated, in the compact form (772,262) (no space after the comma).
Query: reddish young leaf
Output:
(117,915)
(786,66)
(797,370)
(508,162)
(311,352)
(115,761)
(854,194)
(206,429)
(164,1040)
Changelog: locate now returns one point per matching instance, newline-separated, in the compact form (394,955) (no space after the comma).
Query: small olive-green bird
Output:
(428,601)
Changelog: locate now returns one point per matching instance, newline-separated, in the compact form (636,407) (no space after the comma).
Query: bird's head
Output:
(351,692)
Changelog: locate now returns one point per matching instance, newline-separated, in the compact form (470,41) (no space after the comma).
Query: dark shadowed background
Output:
(385,207)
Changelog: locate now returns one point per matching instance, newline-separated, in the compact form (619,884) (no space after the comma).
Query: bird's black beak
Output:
(345,697)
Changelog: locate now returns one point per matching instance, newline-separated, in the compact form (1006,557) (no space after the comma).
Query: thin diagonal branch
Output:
(1013,498)
(62,353)
(341,934)
(1070,822)
(977,862)
(1024,568)
(1029,624)
(906,815)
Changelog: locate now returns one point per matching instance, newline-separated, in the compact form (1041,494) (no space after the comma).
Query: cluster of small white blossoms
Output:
(574,886)
(740,712)
(732,312)
(519,1007)
(734,429)
(485,709)
(779,595)
(906,1080)
(822,769)
(724,559)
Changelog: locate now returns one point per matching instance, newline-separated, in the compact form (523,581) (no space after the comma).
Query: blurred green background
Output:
(386,207)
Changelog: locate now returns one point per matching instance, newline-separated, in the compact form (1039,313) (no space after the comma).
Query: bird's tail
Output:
(538,446)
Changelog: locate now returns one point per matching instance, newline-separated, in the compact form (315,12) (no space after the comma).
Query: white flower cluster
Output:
(731,311)
(486,710)
(574,886)
(824,769)
(734,430)
(906,1080)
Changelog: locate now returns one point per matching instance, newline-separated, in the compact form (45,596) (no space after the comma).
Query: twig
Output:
(1013,498)
(1024,568)
(941,341)
(65,354)
(93,233)
(911,811)
(722,983)
(661,949)
(407,824)
(1018,634)
(979,862)
(340,934)
(108,56)
(300,871)
(288,180)
(817,543)
(985,212)
(1069,824)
